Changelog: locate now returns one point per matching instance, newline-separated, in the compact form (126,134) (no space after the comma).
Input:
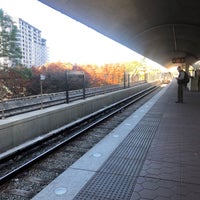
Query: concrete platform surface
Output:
(153,154)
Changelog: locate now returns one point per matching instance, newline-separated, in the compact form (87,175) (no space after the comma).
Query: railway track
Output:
(25,173)
(27,104)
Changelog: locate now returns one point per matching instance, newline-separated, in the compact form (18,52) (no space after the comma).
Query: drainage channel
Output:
(117,177)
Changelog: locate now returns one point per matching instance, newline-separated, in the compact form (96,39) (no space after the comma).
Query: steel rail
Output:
(92,120)
(27,104)
(74,96)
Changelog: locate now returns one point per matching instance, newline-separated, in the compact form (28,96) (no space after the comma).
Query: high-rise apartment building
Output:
(33,46)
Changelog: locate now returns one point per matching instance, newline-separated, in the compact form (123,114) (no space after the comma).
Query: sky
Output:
(67,39)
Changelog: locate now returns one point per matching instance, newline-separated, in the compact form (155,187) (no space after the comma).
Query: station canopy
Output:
(165,31)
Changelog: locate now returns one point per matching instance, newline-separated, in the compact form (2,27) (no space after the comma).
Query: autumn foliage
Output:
(21,81)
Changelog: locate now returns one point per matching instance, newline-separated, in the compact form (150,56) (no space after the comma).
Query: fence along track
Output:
(27,104)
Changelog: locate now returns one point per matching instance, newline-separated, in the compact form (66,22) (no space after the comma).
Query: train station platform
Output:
(154,154)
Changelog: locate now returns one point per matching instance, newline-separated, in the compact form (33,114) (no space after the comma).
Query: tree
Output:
(9,47)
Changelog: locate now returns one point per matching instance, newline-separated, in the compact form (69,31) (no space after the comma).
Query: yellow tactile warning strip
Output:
(116,178)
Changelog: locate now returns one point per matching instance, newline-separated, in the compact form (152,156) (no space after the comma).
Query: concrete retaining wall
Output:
(19,129)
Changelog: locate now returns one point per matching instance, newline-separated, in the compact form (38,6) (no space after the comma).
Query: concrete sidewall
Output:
(17,130)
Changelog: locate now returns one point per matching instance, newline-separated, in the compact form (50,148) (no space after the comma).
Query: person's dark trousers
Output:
(180,93)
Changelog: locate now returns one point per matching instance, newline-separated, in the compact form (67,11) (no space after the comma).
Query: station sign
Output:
(75,72)
(178,60)
(71,74)
(42,77)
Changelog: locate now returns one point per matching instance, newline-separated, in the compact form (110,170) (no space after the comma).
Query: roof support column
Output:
(187,65)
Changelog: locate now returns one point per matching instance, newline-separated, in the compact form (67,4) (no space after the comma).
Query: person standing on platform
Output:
(181,84)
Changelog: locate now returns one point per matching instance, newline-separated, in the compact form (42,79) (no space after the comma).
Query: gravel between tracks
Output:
(29,183)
